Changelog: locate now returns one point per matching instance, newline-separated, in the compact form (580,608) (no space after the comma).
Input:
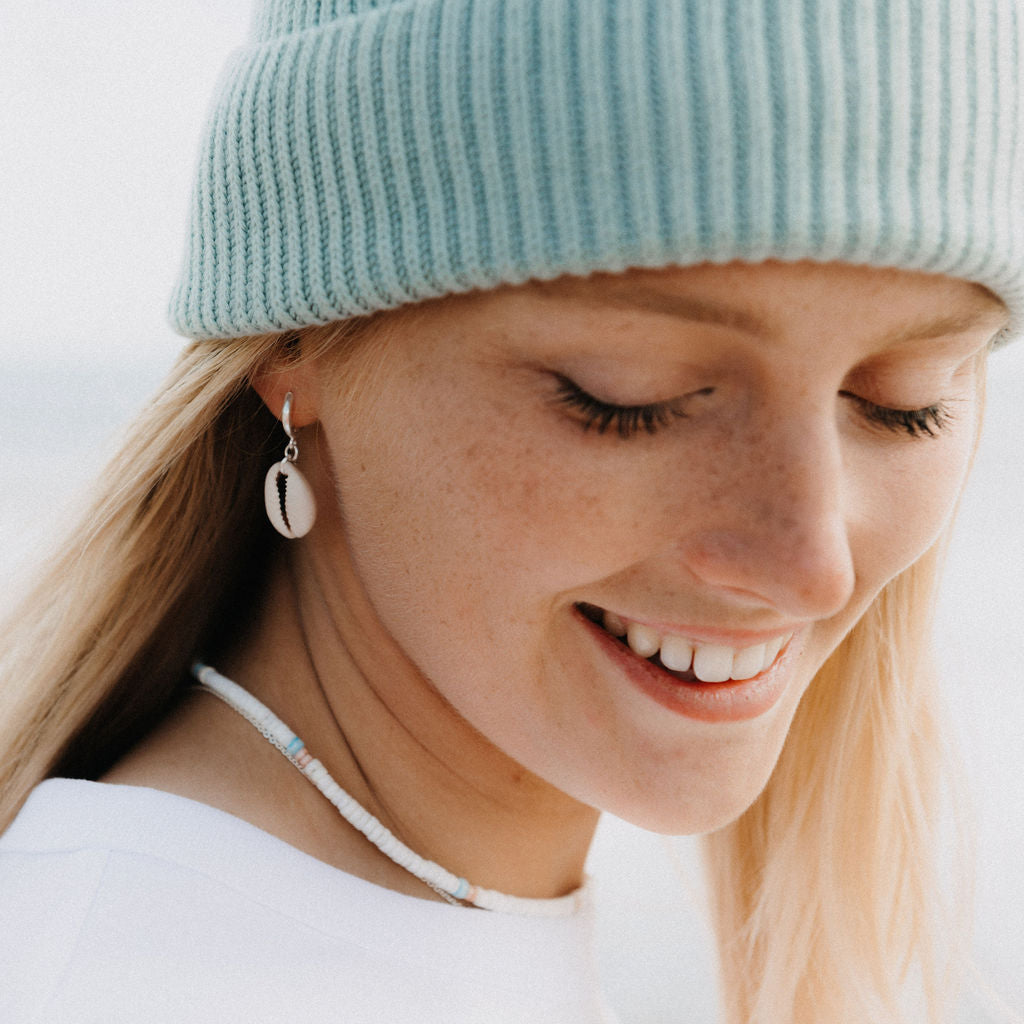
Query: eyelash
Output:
(628,420)
(927,422)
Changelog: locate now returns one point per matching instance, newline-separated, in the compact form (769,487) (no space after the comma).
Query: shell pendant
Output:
(291,506)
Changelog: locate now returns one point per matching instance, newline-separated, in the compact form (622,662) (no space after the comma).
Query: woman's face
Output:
(727,459)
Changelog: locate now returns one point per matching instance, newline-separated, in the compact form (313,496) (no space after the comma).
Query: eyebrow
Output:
(701,311)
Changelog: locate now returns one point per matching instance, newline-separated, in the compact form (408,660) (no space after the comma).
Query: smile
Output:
(692,660)
(718,684)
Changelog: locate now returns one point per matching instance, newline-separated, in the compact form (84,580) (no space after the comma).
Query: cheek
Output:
(463,530)
(479,509)
(904,503)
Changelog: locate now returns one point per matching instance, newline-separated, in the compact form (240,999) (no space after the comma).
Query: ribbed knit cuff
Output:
(364,154)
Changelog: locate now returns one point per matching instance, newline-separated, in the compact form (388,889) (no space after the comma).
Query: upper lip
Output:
(738,638)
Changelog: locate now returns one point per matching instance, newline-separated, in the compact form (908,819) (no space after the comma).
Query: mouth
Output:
(689,660)
(702,680)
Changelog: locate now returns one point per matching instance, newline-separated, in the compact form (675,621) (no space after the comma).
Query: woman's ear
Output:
(299,376)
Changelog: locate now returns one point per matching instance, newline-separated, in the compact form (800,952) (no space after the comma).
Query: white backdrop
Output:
(101,105)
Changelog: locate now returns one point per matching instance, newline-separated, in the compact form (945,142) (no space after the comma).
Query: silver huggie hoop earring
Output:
(291,506)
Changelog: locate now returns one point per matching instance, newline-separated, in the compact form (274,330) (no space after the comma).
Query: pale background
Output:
(101,105)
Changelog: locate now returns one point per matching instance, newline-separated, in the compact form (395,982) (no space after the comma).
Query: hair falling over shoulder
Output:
(823,892)
(826,892)
(166,555)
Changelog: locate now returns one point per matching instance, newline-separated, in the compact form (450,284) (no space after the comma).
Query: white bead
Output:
(291,506)
(437,877)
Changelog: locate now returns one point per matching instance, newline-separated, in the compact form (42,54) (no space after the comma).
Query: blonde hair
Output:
(826,892)
(170,544)
(822,891)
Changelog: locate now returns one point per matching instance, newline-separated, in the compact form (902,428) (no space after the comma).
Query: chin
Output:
(687,821)
(691,806)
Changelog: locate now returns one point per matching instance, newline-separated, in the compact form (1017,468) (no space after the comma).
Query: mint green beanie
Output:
(363,154)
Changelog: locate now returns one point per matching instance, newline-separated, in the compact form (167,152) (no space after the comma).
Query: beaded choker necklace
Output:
(450,887)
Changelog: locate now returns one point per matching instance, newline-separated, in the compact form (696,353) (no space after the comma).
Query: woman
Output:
(607,338)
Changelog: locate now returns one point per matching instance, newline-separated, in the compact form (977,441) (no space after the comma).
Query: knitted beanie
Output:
(363,154)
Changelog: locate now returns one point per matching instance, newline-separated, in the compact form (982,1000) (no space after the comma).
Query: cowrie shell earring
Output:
(291,506)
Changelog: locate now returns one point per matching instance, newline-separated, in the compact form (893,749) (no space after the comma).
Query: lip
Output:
(738,700)
(736,638)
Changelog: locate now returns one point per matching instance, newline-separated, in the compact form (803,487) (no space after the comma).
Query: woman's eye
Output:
(926,422)
(629,420)
(625,420)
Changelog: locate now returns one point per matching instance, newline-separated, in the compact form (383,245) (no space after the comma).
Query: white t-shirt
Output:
(124,904)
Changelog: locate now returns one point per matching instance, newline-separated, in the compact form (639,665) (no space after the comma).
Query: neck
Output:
(319,659)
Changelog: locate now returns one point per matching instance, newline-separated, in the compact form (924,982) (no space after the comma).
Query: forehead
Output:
(823,307)
(769,299)
(773,284)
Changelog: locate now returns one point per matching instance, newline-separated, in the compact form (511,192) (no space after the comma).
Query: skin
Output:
(424,638)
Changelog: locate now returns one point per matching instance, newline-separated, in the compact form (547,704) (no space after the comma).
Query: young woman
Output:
(630,360)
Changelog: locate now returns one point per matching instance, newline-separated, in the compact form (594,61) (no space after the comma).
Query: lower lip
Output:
(737,700)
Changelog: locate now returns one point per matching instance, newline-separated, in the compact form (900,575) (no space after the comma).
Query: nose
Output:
(775,529)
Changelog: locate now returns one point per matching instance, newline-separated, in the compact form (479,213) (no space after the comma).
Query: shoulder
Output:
(117,840)
(46,895)
(136,904)
(120,899)
(132,904)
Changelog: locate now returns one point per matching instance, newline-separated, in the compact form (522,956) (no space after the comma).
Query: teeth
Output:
(772,649)
(748,662)
(676,653)
(614,624)
(643,640)
(711,663)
